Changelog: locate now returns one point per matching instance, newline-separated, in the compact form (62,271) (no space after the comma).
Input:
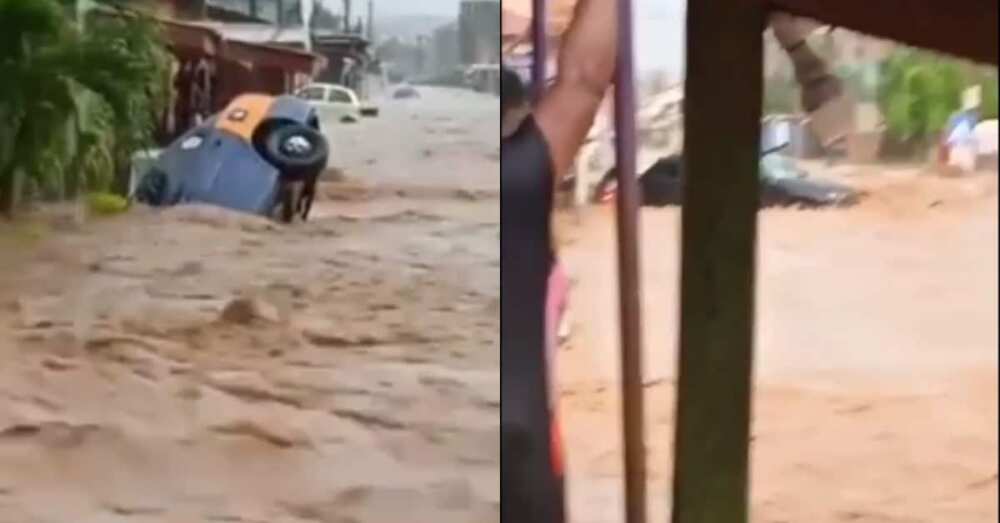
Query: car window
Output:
(778,167)
(338,96)
(311,93)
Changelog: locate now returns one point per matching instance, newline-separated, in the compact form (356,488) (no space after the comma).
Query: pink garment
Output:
(556,298)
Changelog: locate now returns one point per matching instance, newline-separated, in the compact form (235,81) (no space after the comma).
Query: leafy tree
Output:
(920,90)
(74,103)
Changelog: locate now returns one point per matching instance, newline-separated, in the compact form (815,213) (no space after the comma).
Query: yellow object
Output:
(104,204)
(242,116)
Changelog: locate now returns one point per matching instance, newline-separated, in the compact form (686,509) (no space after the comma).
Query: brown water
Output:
(876,397)
(199,365)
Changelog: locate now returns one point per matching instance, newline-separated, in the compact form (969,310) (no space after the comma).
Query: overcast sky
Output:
(659,35)
(659,26)
(401,7)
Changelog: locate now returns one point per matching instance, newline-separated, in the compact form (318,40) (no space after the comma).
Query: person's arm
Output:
(587,58)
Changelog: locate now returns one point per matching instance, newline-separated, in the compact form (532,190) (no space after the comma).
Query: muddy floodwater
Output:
(199,365)
(876,363)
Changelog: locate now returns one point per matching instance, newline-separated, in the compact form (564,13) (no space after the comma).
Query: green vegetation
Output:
(918,92)
(74,103)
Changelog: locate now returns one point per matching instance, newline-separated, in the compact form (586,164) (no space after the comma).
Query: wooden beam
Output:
(966,28)
(723,93)
(261,55)
(185,36)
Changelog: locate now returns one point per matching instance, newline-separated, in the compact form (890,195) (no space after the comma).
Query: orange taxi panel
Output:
(242,116)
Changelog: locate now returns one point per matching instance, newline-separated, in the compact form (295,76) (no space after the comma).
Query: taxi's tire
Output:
(296,150)
(152,188)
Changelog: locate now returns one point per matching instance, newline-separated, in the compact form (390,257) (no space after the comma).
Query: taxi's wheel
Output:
(296,150)
(152,189)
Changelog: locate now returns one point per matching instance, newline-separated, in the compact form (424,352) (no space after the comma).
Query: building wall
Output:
(444,49)
(479,31)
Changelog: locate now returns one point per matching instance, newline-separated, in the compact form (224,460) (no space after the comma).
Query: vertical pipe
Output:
(371,22)
(539,51)
(628,272)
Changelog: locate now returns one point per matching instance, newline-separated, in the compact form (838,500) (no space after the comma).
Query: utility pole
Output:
(347,16)
(371,21)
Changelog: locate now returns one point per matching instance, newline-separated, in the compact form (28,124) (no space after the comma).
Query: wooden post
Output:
(719,226)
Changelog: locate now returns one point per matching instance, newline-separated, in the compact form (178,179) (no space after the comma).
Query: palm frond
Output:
(72,103)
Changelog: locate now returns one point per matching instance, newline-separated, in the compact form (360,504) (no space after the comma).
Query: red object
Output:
(557,296)
(944,152)
(558,462)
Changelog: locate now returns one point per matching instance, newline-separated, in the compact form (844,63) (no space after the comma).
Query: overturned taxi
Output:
(261,154)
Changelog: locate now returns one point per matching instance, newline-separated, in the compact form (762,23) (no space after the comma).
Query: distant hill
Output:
(409,27)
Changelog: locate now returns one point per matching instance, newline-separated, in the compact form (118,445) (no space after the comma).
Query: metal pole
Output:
(539,51)
(628,272)
(371,22)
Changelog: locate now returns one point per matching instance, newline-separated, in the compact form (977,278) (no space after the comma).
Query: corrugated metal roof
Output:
(259,33)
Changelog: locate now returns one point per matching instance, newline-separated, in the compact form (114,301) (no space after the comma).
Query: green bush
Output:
(74,103)
(920,90)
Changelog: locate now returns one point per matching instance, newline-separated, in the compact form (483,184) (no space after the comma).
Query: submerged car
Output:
(405,91)
(336,103)
(261,154)
(782,184)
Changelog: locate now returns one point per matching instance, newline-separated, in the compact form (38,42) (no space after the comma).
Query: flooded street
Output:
(199,365)
(447,132)
(876,363)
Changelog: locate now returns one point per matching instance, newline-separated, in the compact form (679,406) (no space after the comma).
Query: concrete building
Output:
(217,59)
(444,52)
(479,32)
(350,62)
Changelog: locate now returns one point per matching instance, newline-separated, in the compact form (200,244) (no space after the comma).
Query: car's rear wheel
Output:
(152,188)
(296,150)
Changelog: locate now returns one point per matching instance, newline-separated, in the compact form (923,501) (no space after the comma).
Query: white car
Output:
(335,103)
